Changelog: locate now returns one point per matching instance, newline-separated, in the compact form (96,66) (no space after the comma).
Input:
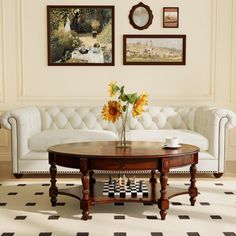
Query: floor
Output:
(25,209)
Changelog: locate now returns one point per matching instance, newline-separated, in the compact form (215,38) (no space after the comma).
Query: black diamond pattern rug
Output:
(25,210)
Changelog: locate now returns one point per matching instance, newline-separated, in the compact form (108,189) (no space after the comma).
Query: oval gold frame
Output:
(132,20)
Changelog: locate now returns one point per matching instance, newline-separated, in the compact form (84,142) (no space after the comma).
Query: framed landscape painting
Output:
(170,17)
(154,49)
(80,35)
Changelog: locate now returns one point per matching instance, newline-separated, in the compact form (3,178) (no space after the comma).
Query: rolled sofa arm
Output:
(23,123)
(212,123)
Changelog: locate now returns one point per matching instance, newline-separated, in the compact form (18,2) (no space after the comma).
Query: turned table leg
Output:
(153,181)
(91,177)
(153,178)
(85,202)
(193,192)
(53,190)
(92,181)
(163,202)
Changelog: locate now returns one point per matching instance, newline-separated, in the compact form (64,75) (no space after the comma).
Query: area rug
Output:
(25,210)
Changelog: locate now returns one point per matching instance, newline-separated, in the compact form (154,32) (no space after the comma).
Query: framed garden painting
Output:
(170,17)
(154,49)
(80,35)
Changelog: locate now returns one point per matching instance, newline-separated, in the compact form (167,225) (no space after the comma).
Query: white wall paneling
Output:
(2,54)
(233,68)
(38,81)
(232,135)
(3,138)
(4,145)
(209,76)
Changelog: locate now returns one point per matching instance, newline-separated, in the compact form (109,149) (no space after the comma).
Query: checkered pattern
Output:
(115,190)
(29,212)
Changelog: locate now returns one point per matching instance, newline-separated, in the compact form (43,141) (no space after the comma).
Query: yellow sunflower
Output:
(112,111)
(112,89)
(139,104)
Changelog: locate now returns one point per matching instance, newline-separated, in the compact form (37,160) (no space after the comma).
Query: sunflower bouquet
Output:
(119,108)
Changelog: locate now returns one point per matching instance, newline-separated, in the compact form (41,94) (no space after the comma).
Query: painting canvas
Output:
(80,35)
(154,49)
(170,17)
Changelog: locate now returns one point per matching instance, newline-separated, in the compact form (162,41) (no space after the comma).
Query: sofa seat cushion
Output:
(45,139)
(185,136)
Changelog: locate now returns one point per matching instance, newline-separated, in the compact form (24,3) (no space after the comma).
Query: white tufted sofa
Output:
(34,129)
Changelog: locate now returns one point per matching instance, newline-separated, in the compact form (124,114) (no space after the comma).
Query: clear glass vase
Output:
(123,141)
(122,135)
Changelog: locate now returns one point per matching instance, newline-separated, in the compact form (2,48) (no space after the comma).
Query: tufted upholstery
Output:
(164,118)
(34,129)
(87,118)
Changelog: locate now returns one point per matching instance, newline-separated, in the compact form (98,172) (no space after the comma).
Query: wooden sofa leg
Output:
(18,176)
(218,175)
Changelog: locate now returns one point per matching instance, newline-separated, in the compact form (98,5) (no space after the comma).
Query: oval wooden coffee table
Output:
(90,156)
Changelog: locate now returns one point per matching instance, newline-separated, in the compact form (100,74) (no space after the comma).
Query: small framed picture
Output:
(170,17)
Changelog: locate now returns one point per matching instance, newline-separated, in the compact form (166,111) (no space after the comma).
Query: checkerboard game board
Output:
(135,189)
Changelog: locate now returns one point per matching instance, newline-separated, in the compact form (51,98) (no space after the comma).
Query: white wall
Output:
(209,76)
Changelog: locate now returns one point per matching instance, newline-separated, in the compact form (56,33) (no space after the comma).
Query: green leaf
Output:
(123,97)
(116,88)
(124,108)
(122,89)
(132,97)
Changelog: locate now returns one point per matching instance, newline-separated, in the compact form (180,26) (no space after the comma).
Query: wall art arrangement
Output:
(80,35)
(84,36)
(170,17)
(154,49)
(140,16)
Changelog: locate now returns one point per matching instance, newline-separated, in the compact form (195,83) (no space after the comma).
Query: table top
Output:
(110,149)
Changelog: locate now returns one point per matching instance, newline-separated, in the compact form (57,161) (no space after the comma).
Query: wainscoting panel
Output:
(38,81)
(209,76)
(233,73)
(4,145)
(2,54)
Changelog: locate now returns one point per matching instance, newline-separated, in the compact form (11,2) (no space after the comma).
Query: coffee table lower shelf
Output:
(96,195)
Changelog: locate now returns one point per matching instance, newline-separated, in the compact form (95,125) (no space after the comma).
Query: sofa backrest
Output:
(87,118)
(156,117)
